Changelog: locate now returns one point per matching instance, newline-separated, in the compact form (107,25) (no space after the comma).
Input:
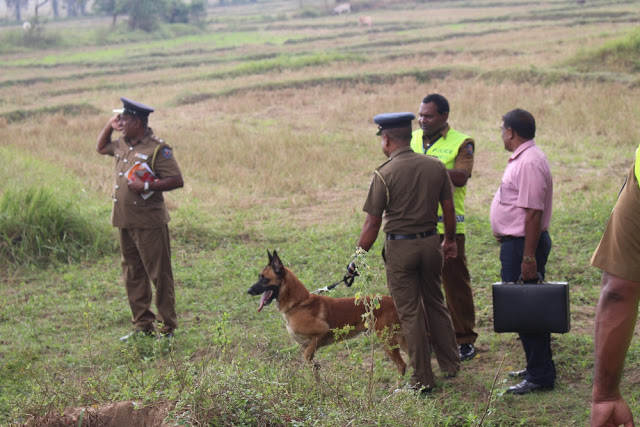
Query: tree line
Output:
(143,14)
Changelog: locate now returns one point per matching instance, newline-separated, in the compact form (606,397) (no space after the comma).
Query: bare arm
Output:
(163,184)
(369,232)
(616,317)
(105,136)
(532,230)
(449,246)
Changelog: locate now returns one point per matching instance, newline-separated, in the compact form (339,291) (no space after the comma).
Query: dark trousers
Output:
(413,277)
(146,259)
(457,291)
(537,347)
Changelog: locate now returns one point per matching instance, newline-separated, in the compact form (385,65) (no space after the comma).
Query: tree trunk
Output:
(18,15)
(38,6)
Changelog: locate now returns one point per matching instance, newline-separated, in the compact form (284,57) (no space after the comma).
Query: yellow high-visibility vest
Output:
(637,167)
(446,149)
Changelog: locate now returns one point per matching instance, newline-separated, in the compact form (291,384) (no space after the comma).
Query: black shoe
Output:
(421,391)
(426,390)
(449,375)
(137,332)
(518,374)
(168,335)
(528,387)
(467,352)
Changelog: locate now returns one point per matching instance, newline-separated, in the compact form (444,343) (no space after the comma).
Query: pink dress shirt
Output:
(526,184)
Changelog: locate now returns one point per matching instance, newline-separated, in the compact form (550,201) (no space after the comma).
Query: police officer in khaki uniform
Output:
(406,190)
(144,168)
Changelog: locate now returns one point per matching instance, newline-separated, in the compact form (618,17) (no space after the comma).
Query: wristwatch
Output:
(146,186)
(528,259)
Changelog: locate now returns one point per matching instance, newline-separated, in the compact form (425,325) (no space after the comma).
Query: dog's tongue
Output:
(265,298)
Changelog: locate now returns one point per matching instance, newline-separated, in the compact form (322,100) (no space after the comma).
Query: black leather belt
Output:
(412,236)
(507,238)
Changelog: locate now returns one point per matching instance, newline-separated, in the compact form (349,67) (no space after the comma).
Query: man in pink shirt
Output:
(520,218)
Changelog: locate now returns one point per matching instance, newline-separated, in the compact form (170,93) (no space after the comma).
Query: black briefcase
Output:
(531,307)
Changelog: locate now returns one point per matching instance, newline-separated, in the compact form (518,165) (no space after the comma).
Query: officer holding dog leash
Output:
(406,191)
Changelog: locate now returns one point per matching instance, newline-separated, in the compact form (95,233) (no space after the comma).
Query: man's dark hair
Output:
(399,135)
(441,102)
(522,123)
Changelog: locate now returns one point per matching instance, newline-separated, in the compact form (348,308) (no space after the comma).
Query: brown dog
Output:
(311,319)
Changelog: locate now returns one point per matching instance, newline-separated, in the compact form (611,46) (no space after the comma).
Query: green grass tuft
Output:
(621,55)
(39,225)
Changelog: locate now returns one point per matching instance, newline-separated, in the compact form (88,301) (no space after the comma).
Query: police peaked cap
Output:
(134,108)
(393,121)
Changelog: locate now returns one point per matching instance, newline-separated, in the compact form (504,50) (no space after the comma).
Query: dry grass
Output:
(300,155)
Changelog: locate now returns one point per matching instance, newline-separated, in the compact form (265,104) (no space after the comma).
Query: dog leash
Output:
(347,279)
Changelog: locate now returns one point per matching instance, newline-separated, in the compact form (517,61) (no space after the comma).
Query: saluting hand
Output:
(114,122)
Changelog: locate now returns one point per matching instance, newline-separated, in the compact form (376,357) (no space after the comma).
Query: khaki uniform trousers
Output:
(414,272)
(457,290)
(146,257)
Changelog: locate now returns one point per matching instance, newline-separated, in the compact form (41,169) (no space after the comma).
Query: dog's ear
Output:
(276,264)
(270,257)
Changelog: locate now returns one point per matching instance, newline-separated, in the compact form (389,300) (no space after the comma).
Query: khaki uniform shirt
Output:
(619,250)
(407,189)
(130,210)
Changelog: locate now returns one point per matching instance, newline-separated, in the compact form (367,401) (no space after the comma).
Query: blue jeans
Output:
(537,347)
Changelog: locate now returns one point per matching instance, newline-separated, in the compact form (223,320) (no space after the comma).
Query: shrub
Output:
(38,226)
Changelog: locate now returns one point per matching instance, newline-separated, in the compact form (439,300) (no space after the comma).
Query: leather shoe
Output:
(467,352)
(528,387)
(518,374)
(421,391)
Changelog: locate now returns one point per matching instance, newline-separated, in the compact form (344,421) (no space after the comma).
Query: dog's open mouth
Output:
(266,299)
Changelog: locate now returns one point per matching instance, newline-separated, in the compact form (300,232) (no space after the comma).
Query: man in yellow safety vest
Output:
(436,138)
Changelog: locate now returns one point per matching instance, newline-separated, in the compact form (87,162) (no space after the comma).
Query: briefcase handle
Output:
(539,282)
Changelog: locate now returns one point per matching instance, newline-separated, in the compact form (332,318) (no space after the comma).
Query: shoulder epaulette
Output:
(379,167)
(386,187)
(161,144)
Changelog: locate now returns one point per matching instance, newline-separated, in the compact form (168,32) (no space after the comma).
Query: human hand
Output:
(136,185)
(449,248)
(529,271)
(352,271)
(114,122)
(611,413)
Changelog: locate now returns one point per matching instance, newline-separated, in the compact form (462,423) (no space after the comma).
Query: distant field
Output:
(269,110)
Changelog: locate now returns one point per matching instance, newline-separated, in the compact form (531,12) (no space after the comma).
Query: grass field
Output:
(269,110)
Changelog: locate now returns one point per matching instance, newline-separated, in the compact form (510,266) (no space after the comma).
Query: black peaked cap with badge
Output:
(134,108)
(393,121)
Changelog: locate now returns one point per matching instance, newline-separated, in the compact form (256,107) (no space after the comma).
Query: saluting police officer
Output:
(406,190)
(141,216)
